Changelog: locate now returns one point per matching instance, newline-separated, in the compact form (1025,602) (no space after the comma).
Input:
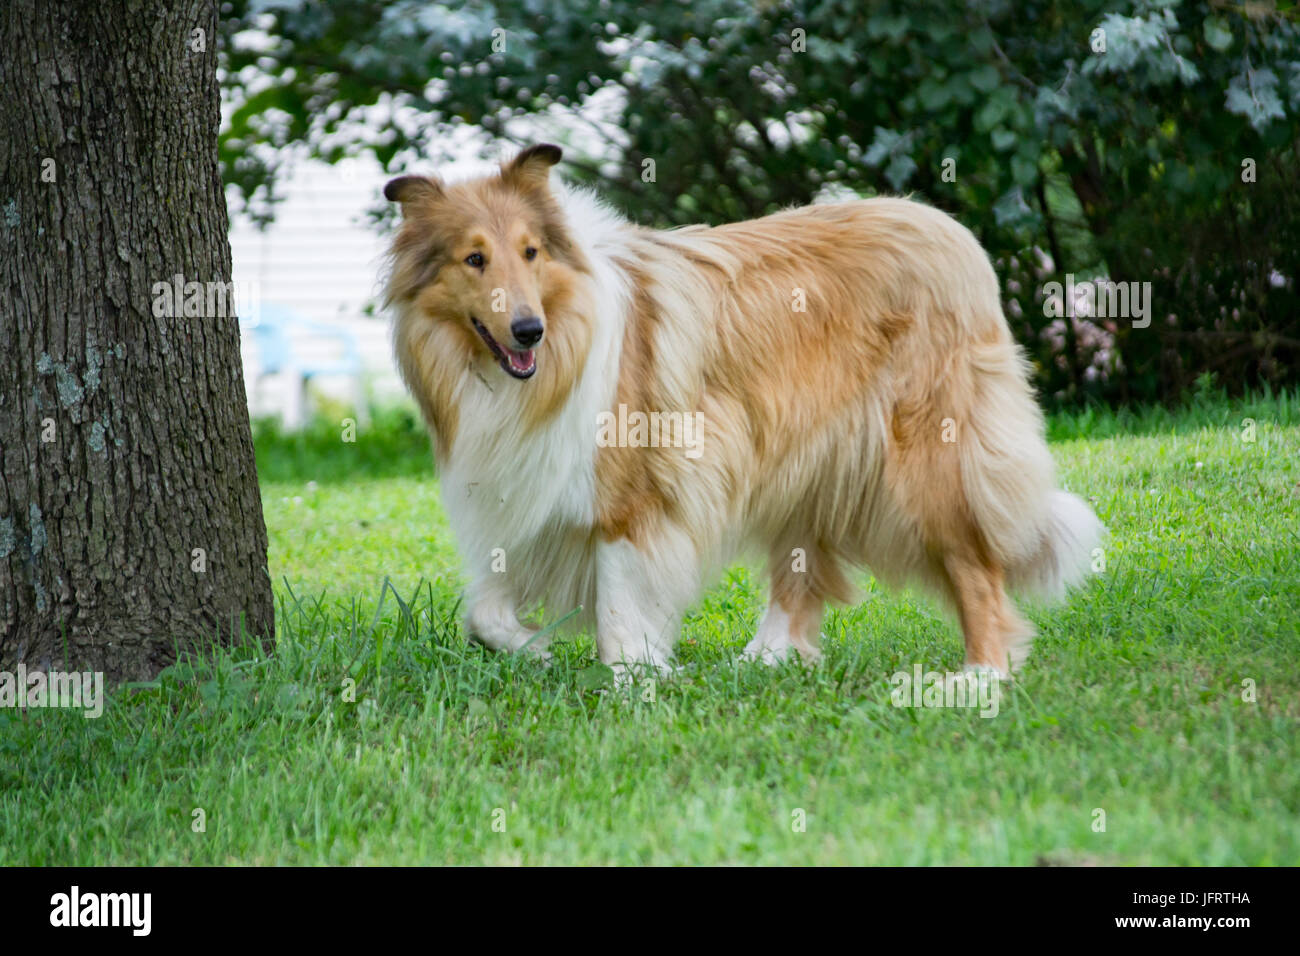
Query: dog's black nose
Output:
(527,331)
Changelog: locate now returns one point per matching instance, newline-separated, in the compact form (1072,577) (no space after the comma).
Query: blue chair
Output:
(272,328)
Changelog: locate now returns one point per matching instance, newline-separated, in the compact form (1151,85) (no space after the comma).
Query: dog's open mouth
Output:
(519,364)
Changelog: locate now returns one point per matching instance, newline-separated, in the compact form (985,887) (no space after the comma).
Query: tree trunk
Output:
(130,520)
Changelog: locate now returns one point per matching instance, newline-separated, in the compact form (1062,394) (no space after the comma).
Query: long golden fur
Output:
(860,399)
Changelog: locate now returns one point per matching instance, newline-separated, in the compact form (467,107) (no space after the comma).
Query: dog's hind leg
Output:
(996,636)
(802,580)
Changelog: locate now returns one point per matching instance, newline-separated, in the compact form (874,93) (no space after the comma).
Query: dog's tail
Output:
(1043,537)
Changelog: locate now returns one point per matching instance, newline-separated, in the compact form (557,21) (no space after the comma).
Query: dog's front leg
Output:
(642,588)
(493,621)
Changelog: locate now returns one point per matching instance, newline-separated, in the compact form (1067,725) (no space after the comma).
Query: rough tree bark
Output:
(130,518)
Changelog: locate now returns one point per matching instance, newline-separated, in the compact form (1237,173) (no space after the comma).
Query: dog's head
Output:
(491,258)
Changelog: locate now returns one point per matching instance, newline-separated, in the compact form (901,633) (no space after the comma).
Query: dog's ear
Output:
(531,169)
(406,189)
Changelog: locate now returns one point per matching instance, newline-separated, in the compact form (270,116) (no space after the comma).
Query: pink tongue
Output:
(520,360)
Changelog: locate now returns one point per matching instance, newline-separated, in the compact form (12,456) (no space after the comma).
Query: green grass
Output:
(1132,702)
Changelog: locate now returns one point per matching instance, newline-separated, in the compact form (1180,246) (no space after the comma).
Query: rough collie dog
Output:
(617,412)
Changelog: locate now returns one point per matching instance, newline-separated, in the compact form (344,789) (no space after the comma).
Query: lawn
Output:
(1157,722)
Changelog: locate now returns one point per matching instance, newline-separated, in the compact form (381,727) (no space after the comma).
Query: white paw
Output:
(528,641)
(537,650)
(627,673)
(520,640)
(761,653)
(991,670)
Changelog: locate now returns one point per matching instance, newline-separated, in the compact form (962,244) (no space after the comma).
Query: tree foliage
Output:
(1149,141)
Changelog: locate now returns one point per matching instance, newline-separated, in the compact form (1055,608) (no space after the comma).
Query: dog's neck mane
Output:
(506,480)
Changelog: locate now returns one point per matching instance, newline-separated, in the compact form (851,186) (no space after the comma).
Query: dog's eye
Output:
(474,259)
(530,253)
